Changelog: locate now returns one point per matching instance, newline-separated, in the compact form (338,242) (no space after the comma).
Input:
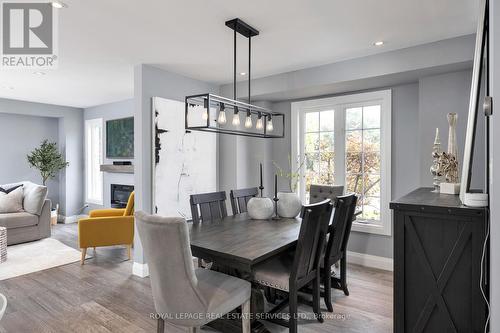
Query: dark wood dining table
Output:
(236,244)
(240,242)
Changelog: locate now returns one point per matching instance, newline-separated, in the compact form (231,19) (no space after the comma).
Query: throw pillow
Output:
(8,190)
(11,202)
(34,197)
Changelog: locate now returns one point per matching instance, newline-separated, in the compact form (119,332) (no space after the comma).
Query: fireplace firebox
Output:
(120,194)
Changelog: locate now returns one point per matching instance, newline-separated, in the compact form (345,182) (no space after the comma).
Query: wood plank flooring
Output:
(103,296)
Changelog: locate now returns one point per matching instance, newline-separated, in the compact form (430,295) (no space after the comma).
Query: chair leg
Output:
(343,277)
(129,251)
(160,326)
(327,283)
(317,297)
(293,328)
(245,317)
(94,249)
(84,253)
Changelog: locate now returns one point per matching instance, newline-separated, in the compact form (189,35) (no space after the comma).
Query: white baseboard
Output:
(140,270)
(73,218)
(369,260)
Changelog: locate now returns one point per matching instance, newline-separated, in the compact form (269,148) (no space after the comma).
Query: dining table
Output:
(236,244)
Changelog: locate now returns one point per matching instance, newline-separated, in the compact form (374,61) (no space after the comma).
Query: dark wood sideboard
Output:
(437,264)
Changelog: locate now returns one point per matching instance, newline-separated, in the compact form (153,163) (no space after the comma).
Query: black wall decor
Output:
(438,247)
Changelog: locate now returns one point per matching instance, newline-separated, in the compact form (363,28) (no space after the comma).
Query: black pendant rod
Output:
(234,64)
(249,69)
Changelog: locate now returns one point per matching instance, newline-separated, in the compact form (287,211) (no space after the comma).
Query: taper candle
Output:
(261,175)
(275,186)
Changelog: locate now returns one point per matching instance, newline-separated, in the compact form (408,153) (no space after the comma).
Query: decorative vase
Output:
(289,204)
(452,181)
(260,208)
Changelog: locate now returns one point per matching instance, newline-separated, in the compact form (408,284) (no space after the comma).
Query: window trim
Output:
(91,123)
(384,97)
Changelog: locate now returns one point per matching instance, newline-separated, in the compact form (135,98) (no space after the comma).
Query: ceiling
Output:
(101,41)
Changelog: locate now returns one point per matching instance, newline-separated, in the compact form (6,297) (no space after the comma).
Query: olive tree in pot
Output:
(47,160)
(289,204)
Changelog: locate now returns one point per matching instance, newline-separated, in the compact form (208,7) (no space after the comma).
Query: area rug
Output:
(36,256)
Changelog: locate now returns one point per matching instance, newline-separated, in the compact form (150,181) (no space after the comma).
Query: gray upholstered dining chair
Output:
(318,193)
(183,295)
(239,199)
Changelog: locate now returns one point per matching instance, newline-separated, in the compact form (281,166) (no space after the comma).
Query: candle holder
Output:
(261,188)
(276,216)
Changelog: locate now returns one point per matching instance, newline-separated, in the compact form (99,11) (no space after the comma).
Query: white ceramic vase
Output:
(260,208)
(289,204)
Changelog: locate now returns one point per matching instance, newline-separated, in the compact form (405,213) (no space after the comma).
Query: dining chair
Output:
(318,193)
(240,198)
(208,206)
(183,295)
(291,271)
(336,248)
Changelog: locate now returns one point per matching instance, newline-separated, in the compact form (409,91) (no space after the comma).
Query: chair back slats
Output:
(341,226)
(318,193)
(240,198)
(208,206)
(315,220)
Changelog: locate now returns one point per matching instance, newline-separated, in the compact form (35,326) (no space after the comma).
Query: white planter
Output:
(289,204)
(260,208)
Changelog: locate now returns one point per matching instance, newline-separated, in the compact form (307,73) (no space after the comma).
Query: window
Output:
(346,140)
(93,161)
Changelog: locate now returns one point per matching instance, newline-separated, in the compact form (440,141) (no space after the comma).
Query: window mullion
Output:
(339,145)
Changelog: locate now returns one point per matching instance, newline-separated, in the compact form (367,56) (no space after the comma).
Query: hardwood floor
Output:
(103,296)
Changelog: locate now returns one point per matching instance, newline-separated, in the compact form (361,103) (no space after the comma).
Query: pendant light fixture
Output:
(204,121)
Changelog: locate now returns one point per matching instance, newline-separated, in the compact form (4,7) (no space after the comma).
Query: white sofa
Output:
(33,222)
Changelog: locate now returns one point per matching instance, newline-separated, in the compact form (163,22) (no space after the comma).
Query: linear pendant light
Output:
(209,112)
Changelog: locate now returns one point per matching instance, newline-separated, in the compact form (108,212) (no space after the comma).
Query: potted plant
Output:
(289,204)
(47,159)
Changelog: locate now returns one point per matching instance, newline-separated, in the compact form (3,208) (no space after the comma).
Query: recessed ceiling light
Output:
(58,4)
(243,73)
(379,43)
(39,73)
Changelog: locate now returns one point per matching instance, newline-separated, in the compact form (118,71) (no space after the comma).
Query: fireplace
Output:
(120,194)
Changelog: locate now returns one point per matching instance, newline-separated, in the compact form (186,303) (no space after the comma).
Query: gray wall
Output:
(70,123)
(439,95)
(151,82)
(110,111)
(19,135)
(495,165)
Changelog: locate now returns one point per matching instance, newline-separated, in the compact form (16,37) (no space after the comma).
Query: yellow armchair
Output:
(107,227)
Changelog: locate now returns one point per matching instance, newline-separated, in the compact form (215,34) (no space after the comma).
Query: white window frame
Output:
(90,123)
(382,97)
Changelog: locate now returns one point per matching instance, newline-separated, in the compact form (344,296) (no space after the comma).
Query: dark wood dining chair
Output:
(291,271)
(336,248)
(240,198)
(318,193)
(206,207)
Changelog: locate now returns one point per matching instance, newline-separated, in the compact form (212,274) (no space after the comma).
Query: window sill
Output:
(370,228)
